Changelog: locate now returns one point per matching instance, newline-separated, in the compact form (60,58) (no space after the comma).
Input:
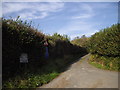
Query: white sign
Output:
(24,58)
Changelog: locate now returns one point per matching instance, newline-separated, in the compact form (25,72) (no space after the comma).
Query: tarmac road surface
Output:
(83,75)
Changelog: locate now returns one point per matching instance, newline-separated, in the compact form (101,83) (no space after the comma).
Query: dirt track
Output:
(83,75)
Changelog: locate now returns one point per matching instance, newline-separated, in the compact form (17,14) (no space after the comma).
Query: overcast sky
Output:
(71,18)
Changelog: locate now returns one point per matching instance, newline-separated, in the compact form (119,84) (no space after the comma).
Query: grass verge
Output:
(104,62)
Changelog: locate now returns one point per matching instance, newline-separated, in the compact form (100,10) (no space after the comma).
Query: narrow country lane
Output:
(83,75)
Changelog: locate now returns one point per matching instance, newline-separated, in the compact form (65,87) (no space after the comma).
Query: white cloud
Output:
(30,15)
(83,16)
(79,24)
(86,7)
(88,34)
(44,9)
(86,11)
(14,7)
(75,28)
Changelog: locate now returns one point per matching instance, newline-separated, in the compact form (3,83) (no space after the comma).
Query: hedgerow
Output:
(21,37)
(59,46)
(104,47)
(106,42)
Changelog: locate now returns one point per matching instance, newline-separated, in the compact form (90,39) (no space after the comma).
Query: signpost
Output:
(23,60)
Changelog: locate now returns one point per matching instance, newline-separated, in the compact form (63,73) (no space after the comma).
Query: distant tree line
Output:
(81,41)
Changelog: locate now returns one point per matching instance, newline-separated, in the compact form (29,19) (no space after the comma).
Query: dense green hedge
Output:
(20,37)
(106,42)
(60,46)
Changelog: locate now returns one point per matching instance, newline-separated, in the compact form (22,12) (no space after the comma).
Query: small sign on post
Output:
(23,61)
(24,58)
